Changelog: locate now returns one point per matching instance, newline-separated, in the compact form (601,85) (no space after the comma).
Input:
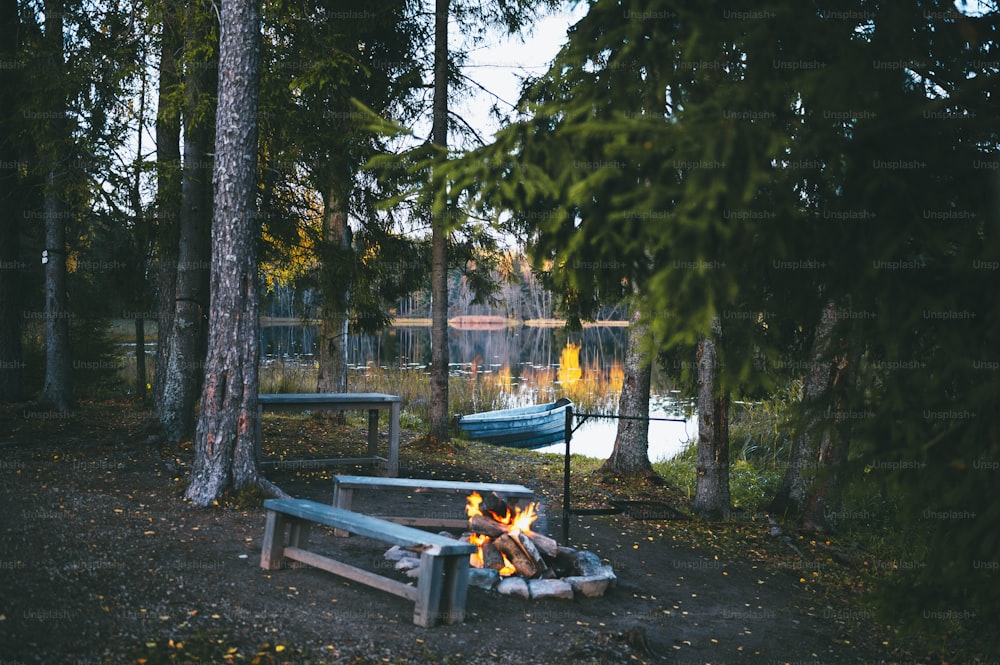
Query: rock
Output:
(540,589)
(484,578)
(395,553)
(514,586)
(593,586)
(588,564)
(408,563)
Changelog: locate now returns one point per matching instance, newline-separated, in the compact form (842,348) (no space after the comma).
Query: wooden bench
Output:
(344,486)
(372,402)
(444,562)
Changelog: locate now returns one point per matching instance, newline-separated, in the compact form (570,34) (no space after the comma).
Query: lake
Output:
(533,364)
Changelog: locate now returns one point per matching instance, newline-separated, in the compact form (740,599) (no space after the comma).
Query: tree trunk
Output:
(817,451)
(332,377)
(630,456)
(228,432)
(58,389)
(439,424)
(11,266)
(168,190)
(186,354)
(712,489)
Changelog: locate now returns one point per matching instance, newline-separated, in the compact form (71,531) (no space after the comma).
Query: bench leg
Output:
(272,551)
(342,497)
(298,534)
(441,589)
(456,586)
(429,587)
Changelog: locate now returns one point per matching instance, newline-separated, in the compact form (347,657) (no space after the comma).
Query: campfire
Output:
(516,560)
(506,542)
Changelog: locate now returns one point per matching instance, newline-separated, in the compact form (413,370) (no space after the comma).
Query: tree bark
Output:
(630,455)
(439,424)
(332,376)
(228,432)
(712,498)
(817,451)
(186,355)
(168,189)
(58,388)
(11,266)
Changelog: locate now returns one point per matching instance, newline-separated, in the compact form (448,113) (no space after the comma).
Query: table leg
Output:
(394,410)
(372,432)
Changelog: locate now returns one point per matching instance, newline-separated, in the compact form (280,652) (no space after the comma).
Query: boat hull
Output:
(524,427)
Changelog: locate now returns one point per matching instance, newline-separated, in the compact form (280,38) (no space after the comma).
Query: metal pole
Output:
(566,501)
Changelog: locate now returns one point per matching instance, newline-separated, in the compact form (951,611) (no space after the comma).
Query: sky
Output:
(500,63)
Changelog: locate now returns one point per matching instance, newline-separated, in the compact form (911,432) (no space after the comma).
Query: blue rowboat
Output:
(524,427)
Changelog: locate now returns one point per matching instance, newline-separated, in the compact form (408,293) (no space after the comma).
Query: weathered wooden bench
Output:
(344,486)
(444,562)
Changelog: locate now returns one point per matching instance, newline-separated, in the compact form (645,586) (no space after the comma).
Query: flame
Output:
(508,568)
(476,558)
(472,505)
(519,521)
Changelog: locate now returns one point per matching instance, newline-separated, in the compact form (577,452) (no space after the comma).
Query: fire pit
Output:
(516,560)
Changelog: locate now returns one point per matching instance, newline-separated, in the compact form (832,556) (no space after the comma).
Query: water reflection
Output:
(525,364)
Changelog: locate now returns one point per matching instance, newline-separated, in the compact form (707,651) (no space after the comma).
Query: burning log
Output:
(547,546)
(491,556)
(487,526)
(529,547)
(511,546)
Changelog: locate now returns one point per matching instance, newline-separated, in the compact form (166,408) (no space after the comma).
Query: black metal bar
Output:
(566,499)
(614,417)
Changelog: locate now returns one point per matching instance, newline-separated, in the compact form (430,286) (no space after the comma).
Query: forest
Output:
(800,194)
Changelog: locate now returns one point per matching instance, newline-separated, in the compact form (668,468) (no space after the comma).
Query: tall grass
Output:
(470,389)
(760,438)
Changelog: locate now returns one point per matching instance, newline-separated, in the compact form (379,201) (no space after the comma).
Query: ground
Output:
(102,561)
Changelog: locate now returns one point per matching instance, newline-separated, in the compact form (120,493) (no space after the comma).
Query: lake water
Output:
(536,363)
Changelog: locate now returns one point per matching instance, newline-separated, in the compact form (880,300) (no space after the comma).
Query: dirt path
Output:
(101,562)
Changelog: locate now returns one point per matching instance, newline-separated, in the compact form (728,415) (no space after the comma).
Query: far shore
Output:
(467,322)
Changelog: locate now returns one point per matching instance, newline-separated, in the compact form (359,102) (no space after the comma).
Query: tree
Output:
(228,432)
(439,415)
(711,497)
(168,186)
(445,217)
(58,389)
(630,455)
(314,142)
(186,335)
(782,174)
(11,266)
(819,449)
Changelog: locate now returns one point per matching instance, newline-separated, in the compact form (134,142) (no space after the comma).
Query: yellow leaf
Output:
(279,647)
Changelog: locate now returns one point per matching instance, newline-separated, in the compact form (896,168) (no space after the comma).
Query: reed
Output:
(471,389)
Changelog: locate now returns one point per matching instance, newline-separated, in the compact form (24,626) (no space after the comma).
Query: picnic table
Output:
(371,402)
